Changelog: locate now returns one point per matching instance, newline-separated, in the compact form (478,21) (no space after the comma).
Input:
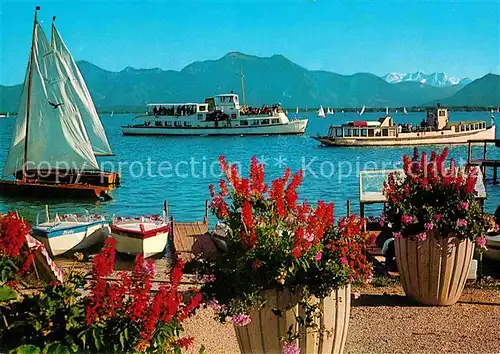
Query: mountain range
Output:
(268,80)
(434,79)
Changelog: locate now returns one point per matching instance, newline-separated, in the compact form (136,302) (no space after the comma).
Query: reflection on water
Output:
(181,168)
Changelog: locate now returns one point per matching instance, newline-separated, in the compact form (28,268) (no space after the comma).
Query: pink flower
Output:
(481,242)
(291,348)
(357,295)
(343,260)
(397,235)
(241,320)
(464,205)
(318,256)
(309,237)
(461,223)
(437,217)
(214,304)
(406,219)
(208,278)
(421,236)
(149,268)
(429,226)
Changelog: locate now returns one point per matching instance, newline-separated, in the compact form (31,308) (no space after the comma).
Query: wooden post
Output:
(348,207)
(165,208)
(47,215)
(470,153)
(205,220)
(172,228)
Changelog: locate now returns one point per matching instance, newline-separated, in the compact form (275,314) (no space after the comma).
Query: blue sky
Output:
(457,37)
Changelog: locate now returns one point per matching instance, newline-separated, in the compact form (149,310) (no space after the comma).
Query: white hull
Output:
(75,240)
(292,127)
(405,139)
(148,247)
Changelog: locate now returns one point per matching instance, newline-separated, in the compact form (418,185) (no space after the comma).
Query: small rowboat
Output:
(148,236)
(71,233)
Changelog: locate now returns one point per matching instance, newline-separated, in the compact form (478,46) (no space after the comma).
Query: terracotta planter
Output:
(434,272)
(264,334)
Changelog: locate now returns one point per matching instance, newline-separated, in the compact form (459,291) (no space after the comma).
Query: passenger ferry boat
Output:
(219,115)
(436,129)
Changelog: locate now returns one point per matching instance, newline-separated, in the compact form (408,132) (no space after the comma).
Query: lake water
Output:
(185,164)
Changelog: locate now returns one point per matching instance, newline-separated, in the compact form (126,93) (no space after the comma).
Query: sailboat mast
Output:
(52,40)
(28,103)
(243,87)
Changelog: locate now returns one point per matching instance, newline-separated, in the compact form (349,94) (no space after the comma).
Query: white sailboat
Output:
(386,111)
(405,111)
(329,111)
(321,112)
(297,110)
(81,97)
(49,131)
(362,110)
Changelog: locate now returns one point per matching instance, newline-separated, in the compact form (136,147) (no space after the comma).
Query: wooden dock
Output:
(484,163)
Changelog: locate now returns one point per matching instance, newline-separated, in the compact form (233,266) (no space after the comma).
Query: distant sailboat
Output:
(321,112)
(362,111)
(297,110)
(112,113)
(329,111)
(286,111)
(405,111)
(386,111)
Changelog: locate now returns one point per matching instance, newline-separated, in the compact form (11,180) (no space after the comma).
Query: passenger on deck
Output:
(155,110)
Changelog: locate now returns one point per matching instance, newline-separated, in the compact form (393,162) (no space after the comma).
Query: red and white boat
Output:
(146,235)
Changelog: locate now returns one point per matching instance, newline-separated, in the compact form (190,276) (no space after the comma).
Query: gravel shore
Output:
(383,321)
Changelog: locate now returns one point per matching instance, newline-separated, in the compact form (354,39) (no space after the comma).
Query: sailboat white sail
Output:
(48,127)
(81,98)
(362,111)
(297,110)
(329,111)
(321,112)
(405,111)
(386,111)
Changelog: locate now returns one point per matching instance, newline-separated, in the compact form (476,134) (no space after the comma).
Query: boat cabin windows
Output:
(265,121)
(233,116)
(467,127)
(187,124)
(167,123)
(244,123)
(385,132)
(347,132)
(364,132)
(200,116)
(177,124)
(158,123)
(355,132)
(275,121)
(371,132)
(255,122)
(338,132)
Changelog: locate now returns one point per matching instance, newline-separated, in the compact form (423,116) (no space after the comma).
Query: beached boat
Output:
(148,235)
(321,112)
(71,232)
(219,115)
(57,133)
(436,129)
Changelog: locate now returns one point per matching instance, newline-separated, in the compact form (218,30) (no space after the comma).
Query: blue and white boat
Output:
(71,232)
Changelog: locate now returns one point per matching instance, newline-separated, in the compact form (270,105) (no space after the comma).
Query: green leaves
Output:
(7,294)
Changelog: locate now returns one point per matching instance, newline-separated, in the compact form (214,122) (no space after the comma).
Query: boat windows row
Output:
(178,123)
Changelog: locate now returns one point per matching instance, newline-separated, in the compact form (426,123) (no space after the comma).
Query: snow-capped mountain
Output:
(435,79)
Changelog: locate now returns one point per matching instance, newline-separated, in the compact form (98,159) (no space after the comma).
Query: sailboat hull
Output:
(35,189)
(98,178)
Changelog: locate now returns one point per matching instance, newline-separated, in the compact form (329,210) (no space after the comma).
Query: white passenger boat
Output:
(219,115)
(436,129)
(71,232)
(146,235)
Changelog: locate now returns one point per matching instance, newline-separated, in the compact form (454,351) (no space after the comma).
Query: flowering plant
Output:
(429,196)
(102,315)
(275,242)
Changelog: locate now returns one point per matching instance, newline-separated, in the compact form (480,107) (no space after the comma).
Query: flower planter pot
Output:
(434,272)
(266,331)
